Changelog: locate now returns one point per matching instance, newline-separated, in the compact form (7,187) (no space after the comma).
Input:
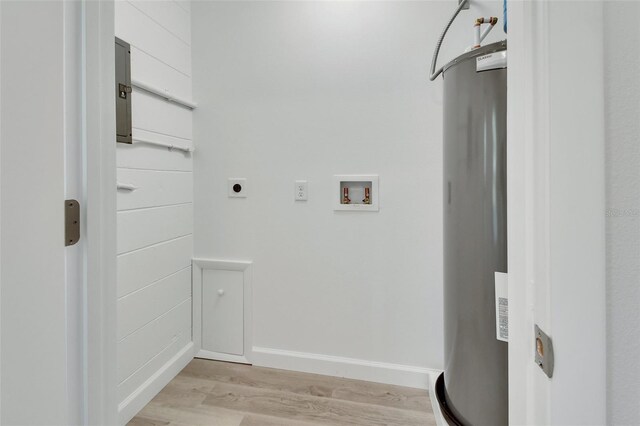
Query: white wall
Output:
(575,278)
(306,90)
(155,222)
(622,91)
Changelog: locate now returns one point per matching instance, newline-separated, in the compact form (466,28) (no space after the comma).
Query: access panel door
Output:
(223,311)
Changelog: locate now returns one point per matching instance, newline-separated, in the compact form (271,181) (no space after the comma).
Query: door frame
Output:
(540,258)
(556,205)
(100,337)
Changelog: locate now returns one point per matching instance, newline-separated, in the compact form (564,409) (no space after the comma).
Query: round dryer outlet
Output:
(237,188)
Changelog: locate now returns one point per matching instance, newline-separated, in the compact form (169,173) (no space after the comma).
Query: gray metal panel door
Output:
(123,91)
(475,240)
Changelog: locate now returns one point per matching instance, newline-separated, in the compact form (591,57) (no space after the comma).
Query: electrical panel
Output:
(123,92)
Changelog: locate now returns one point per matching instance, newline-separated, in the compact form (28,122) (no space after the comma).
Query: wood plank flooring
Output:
(219,393)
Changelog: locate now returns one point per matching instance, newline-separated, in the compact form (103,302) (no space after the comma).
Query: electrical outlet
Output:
(301,190)
(237,188)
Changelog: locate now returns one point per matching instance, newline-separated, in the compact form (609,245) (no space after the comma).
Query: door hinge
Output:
(71,222)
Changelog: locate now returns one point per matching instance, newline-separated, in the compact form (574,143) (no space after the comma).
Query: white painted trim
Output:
(225,265)
(163,93)
(196,305)
(522,33)
(0,231)
(351,368)
(220,356)
(200,264)
(555,209)
(100,327)
(154,384)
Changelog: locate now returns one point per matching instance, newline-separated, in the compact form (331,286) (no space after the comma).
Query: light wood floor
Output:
(219,393)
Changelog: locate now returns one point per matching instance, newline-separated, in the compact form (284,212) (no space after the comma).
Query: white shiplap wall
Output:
(155,222)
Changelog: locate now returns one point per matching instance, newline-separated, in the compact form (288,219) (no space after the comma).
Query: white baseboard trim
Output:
(219,356)
(437,412)
(135,402)
(351,368)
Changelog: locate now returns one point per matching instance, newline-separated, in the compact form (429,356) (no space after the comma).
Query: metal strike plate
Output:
(71,222)
(543,351)
(123,90)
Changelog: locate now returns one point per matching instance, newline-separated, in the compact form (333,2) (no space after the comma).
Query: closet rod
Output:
(169,146)
(162,93)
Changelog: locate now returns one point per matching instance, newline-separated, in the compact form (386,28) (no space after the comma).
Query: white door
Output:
(73,156)
(223,311)
(42,362)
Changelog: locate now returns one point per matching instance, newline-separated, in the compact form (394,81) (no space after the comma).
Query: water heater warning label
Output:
(502,306)
(491,61)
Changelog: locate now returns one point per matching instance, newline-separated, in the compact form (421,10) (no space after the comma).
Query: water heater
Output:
(474,388)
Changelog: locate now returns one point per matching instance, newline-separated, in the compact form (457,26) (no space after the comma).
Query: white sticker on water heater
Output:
(502,306)
(491,61)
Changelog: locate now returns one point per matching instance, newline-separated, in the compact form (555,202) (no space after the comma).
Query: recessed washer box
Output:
(356,193)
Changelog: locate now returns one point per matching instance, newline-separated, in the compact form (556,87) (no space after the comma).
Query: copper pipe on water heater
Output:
(478,37)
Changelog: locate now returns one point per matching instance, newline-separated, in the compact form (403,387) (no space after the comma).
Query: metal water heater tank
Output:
(474,389)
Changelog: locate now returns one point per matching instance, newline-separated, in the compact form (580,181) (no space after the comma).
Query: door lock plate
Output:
(72,222)
(123,89)
(543,351)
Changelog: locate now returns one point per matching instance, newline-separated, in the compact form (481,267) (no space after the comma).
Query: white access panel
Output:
(223,311)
